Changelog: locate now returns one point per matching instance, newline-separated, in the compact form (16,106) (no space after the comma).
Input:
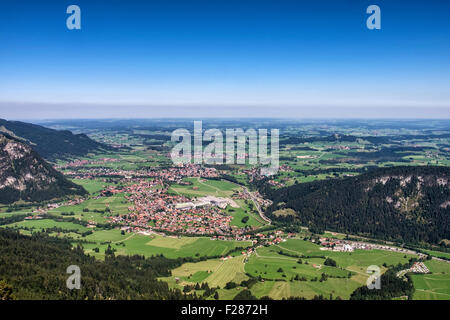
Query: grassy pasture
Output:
(202,187)
(438,253)
(307,289)
(267,263)
(431,286)
(117,204)
(215,272)
(39,225)
(241,212)
(434,286)
(92,186)
(130,244)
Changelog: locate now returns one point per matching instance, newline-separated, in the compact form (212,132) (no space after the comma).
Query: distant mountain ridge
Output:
(407,203)
(49,143)
(24,175)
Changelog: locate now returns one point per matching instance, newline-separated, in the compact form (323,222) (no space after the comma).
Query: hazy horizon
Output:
(14,111)
(224,59)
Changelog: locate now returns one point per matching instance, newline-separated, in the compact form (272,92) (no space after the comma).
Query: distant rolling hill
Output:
(49,143)
(404,203)
(24,175)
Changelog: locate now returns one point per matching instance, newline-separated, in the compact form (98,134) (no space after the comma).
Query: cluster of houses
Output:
(174,174)
(338,247)
(181,171)
(337,147)
(350,246)
(82,163)
(275,183)
(259,199)
(155,209)
(254,174)
(254,196)
(36,217)
(222,203)
(417,267)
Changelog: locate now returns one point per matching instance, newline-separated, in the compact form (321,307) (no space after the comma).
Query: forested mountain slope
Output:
(405,203)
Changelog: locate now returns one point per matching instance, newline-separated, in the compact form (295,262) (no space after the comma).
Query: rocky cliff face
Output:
(25,175)
(407,191)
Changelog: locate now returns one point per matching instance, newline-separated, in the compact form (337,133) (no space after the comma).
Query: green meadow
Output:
(117,205)
(283,276)
(435,285)
(170,247)
(244,211)
(92,185)
(215,272)
(438,253)
(202,187)
(40,225)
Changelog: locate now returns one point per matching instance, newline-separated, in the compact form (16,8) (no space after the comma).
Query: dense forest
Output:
(407,203)
(34,267)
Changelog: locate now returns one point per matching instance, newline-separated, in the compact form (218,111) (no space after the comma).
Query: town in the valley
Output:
(154,210)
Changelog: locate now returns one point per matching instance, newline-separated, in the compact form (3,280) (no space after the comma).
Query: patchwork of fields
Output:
(283,276)
(130,244)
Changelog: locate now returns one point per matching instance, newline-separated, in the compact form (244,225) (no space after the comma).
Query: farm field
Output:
(4,213)
(438,253)
(40,225)
(92,186)
(243,211)
(284,276)
(170,247)
(283,289)
(215,272)
(433,286)
(95,209)
(203,187)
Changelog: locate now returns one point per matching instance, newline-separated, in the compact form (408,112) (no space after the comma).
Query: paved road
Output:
(261,214)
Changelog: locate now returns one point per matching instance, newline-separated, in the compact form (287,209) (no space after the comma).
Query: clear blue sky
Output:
(222,54)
